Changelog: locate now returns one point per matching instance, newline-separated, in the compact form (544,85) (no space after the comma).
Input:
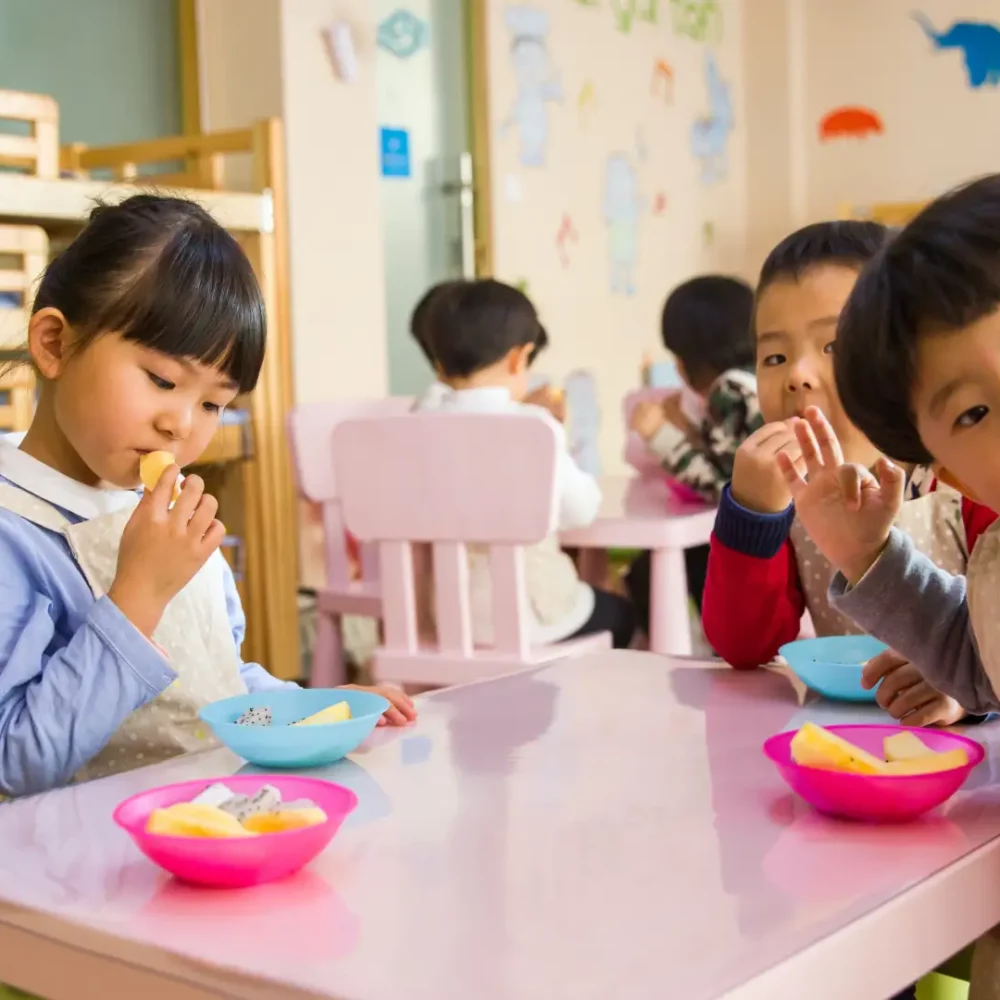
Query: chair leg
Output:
(328,666)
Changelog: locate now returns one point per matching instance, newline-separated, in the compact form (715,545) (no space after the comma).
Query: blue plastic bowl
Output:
(284,745)
(833,665)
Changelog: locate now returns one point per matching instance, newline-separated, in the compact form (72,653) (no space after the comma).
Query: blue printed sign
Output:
(395,144)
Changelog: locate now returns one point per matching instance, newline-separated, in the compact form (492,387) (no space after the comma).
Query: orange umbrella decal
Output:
(850,123)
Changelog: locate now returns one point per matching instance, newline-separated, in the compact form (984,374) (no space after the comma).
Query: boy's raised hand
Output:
(758,482)
(845,509)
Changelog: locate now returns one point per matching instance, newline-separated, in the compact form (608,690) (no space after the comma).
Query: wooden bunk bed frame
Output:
(259,494)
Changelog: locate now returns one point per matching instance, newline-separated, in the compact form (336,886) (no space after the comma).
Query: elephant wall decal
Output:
(978,40)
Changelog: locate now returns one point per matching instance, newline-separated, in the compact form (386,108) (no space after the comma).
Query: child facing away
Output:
(764,571)
(918,370)
(483,336)
(705,324)
(119,618)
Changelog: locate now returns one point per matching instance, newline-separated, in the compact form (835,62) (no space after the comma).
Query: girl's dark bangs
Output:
(199,299)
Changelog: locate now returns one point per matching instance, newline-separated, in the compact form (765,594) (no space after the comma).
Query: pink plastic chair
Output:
(310,432)
(636,453)
(451,481)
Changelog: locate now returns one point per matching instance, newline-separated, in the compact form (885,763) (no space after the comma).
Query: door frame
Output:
(477,61)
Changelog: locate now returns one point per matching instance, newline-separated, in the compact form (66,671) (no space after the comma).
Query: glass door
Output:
(424,141)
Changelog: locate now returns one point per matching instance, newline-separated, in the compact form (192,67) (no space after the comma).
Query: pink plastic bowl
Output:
(232,863)
(874,798)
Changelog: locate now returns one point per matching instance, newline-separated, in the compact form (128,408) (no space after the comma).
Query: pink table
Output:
(599,828)
(642,513)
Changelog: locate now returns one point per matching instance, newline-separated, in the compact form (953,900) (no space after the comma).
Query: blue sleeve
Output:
(254,675)
(63,698)
(751,533)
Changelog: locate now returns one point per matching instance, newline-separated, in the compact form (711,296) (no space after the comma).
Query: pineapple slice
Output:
(813,746)
(931,763)
(284,819)
(340,712)
(195,819)
(905,746)
(151,468)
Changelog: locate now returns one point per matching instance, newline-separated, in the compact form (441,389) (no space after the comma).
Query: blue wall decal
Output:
(622,207)
(394,148)
(710,134)
(537,82)
(403,34)
(978,40)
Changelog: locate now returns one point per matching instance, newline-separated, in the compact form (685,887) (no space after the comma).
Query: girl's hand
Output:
(906,696)
(163,547)
(845,510)
(401,710)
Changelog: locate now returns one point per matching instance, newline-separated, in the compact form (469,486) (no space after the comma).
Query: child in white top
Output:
(483,335)
(119,618)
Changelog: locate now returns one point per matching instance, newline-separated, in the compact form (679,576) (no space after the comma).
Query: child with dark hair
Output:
(918,367)
(705,325)
(764,570)
(119,618)
(483,335)
(421,334)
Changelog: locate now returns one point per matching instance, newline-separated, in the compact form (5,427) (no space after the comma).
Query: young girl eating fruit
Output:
(119,618)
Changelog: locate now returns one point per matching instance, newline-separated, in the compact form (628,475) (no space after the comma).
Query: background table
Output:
(600,828)
(642,513)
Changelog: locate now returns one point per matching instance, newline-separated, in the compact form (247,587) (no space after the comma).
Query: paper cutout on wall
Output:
(662,84)
(697,19)
(522,286)
(978,40)
(586,97)
(567,234)
(340,48)
(850,123)
(537,82)
(622,207)
(710,134)
(708,233)
(403,33)
(659,203)
(583,415)
(513,190)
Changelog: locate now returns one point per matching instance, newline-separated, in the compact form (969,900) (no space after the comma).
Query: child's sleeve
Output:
(921,612)
(705,462)
(62,697)
(254,675)
(753,601)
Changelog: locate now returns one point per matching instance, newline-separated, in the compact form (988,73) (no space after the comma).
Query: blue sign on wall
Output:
(395,146)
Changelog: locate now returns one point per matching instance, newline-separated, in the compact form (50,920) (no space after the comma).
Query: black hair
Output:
(706,324)
(418,318)
(541,342)
(941,273)
(848,242)
(163,273)
(475,324)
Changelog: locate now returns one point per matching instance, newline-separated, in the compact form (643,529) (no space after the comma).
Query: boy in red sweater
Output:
(763,570)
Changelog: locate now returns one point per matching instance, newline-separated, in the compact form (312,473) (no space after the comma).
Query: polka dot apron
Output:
(983,583)
(194,632)
(933,521)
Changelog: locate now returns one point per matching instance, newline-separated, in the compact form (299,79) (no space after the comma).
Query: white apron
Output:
(933,521)
(194,632)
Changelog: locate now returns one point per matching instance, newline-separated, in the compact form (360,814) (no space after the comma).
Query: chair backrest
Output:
(449,481)
(636,453)
(310,434)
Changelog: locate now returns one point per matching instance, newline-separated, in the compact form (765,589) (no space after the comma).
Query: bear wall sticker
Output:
(537,82)
(980,45)
(622,206)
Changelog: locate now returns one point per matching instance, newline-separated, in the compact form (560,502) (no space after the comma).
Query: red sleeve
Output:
(752,606)
(976,519)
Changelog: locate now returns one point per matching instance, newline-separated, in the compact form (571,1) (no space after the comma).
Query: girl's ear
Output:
(518,358)
(49,337)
